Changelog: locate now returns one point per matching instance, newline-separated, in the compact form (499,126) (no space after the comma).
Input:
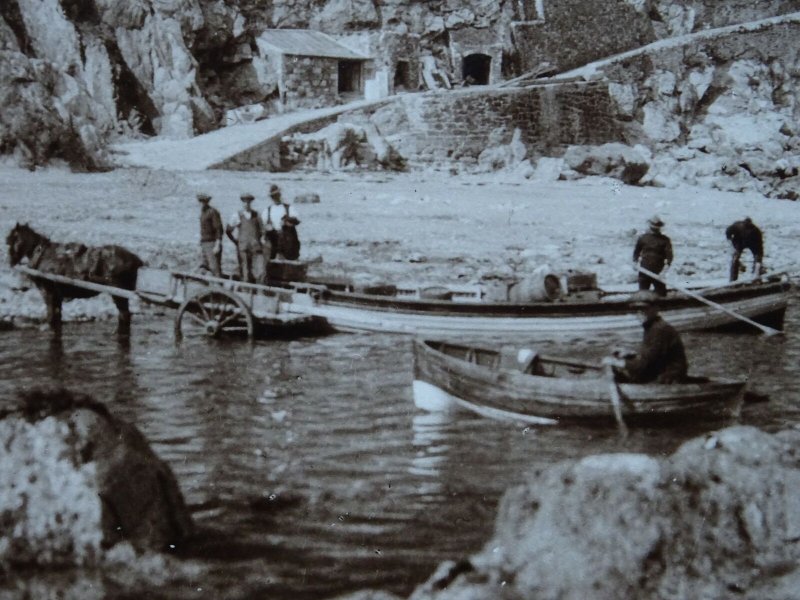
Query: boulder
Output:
(341,146)
(719,517)
(500,154)
(337,16)
(609,160)
(35,124)
(307,198)
(77,481)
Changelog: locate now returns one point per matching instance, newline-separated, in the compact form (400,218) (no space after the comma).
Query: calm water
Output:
(309,470)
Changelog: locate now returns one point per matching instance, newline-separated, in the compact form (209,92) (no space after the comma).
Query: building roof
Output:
(304,42)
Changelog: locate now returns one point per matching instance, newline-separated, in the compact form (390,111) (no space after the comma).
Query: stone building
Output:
(312,68)
(395,65)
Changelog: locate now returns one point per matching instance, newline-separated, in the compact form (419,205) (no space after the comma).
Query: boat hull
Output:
(471,379)
(442,318)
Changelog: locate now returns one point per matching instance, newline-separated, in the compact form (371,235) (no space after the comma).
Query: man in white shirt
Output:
(280,225)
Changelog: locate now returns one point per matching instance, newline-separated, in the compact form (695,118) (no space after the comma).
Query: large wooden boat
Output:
(468,311)
(547,390)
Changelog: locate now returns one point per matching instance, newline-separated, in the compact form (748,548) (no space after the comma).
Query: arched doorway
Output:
(475,69)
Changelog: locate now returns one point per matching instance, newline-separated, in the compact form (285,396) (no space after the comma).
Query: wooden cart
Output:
(212,306)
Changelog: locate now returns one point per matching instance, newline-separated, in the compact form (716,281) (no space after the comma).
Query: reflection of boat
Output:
(468,311)
(546,390)
(430,443)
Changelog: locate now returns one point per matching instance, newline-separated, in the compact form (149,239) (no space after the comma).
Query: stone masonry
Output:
(309,81)
(456,125)
(575,32)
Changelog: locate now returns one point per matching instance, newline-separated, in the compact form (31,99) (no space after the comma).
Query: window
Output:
(349,76)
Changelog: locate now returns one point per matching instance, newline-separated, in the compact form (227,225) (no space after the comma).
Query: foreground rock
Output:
(720,517)
(77,481)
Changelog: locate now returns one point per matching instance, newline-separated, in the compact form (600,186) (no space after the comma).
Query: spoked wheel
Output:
(213,313)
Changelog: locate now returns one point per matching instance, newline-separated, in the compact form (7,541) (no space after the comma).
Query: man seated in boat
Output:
(661,357)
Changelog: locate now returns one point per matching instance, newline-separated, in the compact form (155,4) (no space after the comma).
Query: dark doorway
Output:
(476,68)
(401,76)
(349,76)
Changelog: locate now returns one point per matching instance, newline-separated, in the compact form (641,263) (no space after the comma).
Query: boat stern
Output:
(431,398)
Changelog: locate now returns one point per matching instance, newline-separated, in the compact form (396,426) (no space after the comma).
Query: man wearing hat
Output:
(661,357)
(246,225)
(653,251)
(210,236)
(280,222)
(744,235)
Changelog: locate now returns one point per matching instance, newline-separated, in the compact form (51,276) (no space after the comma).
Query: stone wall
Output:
(266,156)
(456,125)
(575,32)
(678,17)
(309,81)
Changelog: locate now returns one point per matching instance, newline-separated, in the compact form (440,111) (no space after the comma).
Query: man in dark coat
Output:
(744,235)
(210,236)
(653,251)
(661,357)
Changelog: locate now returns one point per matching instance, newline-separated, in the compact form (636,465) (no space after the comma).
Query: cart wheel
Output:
(214,313)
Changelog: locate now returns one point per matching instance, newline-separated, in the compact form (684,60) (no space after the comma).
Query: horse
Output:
(109,265)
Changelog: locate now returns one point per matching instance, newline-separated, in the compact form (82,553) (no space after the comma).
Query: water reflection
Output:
(310,470)
(430,444)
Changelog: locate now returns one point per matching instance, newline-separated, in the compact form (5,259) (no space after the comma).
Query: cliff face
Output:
(96,67)
(679,17)
(720,112)
(75,73)
(91,69)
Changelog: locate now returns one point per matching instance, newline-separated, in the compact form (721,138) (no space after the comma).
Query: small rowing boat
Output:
(523,386)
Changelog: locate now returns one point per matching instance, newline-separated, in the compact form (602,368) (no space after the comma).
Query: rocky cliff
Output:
(720,111)
(76,73)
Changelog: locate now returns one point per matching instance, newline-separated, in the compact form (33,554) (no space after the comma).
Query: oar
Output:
(616,401)
(711,303)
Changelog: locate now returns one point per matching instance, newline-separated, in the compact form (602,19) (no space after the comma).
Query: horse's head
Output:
(21,240)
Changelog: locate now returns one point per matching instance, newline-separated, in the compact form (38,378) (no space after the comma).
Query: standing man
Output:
(210,236)
(661,357)
(280,221)
(745,235)
(653,251)
(248,232)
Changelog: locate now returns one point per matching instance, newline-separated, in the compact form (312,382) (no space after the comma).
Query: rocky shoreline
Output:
(718,517)
(433,227)
(428,227)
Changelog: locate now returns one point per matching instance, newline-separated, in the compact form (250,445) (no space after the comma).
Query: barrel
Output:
(540,286)
(435,292)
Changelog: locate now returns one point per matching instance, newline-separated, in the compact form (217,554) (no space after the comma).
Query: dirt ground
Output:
(427,227)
